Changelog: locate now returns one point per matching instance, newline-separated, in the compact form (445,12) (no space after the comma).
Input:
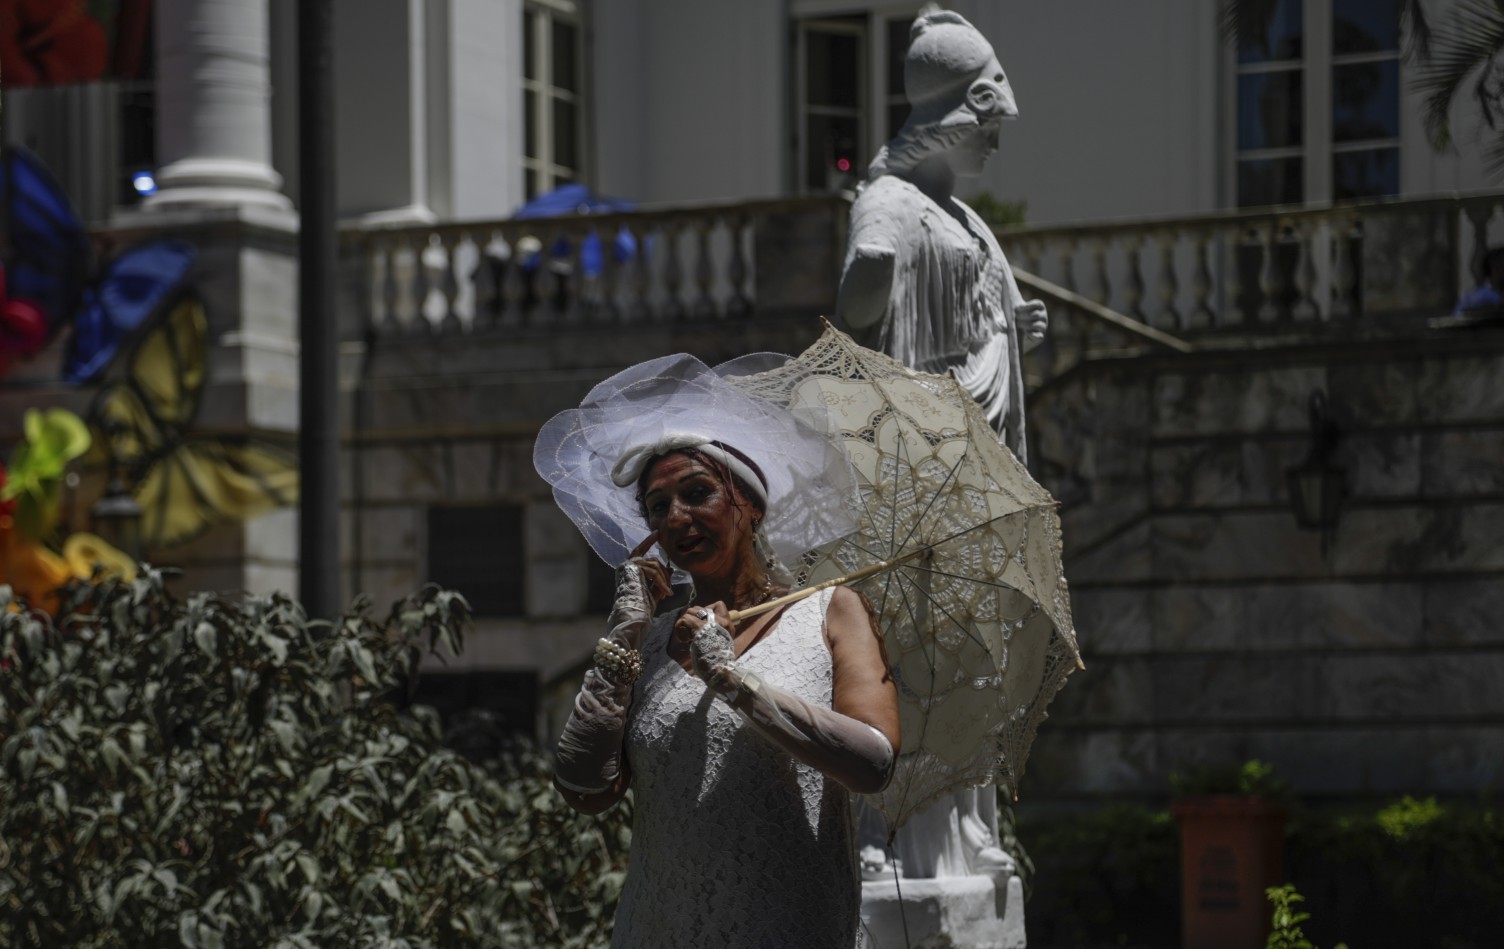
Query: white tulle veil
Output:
(674,401)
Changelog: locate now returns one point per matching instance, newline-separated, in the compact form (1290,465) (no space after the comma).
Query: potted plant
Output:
(1232,842)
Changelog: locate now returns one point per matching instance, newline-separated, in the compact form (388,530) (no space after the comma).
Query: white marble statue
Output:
(926,282)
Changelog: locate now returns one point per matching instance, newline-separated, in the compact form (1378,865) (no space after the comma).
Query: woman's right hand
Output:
(641,584)
(654,571)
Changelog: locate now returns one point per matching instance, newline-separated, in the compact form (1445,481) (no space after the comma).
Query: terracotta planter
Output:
(1231,848)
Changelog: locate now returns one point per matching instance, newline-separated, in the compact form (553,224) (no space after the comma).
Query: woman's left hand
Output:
(710,646)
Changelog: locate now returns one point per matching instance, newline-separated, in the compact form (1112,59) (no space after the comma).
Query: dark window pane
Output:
(479,552)
(1365,26)
(530,182)
(1367,174)
(832,63)
(1366,101)
(1270,31)
(530,124)
(1270,110)
(565,137)
(1270,181)
(565,61)
(600,585)
(898,47)
(830,142)
(529,52)
(897,114)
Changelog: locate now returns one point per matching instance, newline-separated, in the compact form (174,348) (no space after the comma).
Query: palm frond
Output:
(1460,47)
(1417,30)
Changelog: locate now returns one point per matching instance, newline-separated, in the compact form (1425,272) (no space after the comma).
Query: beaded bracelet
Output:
(617,663)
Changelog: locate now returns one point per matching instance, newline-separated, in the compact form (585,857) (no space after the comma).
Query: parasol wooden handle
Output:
(862,574)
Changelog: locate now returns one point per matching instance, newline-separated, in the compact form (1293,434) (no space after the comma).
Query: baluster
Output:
(449,284)
(704,307)
(1347,234)
(492,262)
(1031,251)
(1135,289)
(421,288)
(639,281)
(584,284)
(389,321)
(738,304)
(1269,275)
(515,299)
(1305,307)
(552,281)
(1249,267)
(1201,283)
(609,283)
(673,306)
(1169,282)
(1068,264)
(1102,290)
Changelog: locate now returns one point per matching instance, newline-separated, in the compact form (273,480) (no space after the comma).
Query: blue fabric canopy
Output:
(578,199)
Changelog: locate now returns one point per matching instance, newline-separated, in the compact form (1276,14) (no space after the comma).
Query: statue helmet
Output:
(948,73)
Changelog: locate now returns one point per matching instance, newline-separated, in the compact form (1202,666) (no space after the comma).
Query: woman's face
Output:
(704,523)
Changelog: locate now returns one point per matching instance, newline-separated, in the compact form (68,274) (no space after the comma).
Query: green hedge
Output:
(1408,873)
(224,772)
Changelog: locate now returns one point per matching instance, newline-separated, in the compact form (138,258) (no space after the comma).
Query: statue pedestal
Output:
(971,912)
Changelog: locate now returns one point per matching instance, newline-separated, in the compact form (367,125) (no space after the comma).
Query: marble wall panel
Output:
(1382,464)
(1463,759)
(1235,545)
(473,471)
(1111,690)
(389,534)
(1124,558)
(1201,474)
(1375,393)
(1405,541)
(1111,620)
(1234,688)
(1090,762)
(1191,618)
(1410,686)
(1334,615)
(1345,761)
(411,473)
(1235,400)
(1461,388)
(1464,611)
(1462,462)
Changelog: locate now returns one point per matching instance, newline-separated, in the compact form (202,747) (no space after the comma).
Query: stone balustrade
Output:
(1263,269)
(702,263)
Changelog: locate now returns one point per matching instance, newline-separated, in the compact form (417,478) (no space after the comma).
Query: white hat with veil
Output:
(676,402)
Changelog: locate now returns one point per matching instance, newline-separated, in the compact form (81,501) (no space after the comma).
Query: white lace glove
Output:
(588,757)
(854,753)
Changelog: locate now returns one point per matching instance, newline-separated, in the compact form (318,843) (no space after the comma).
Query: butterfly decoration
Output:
(184,481)
(138,331)
(50,269)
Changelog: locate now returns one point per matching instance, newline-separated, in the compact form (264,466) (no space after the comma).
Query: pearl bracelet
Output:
(617,663)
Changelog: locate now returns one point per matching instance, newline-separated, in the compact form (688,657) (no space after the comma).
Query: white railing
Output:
(1270,267)
(706,262)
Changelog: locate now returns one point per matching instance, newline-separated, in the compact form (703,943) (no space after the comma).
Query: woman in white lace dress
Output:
(742,742)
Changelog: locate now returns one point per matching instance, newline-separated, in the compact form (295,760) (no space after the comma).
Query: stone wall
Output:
(1214,629)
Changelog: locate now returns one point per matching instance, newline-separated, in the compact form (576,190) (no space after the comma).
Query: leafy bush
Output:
(1249,778)
(1284,926)
(1109,877)
(226,772)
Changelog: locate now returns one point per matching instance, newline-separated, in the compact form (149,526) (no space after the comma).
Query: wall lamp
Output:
(1317,485)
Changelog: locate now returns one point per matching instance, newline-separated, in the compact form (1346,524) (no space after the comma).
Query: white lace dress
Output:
(734,843)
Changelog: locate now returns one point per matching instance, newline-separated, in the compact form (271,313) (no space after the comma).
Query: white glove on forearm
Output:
(852,752)
(588,756)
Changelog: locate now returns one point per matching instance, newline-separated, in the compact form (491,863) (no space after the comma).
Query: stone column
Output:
(214,105)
